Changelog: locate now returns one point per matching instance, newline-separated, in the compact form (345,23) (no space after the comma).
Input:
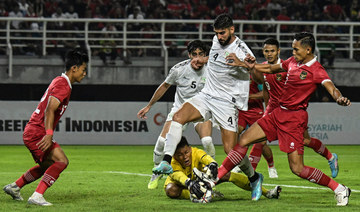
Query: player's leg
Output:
(242,181)
(321,149)
(175,191)
(237,156)
(296,163)
(255,154)
(238,152)
(55,163)
(158,155)
(268,155)
(204,130)
(187,113)
(29,176)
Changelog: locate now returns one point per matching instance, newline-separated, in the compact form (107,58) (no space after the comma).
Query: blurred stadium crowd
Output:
(270,10)
(299,10)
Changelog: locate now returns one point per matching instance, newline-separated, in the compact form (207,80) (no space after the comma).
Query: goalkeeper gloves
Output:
(194,187)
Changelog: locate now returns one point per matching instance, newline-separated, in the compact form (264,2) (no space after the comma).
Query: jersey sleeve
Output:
(320,76)
(285,64)
(60,90)
(172,76)
(204,158)
(178,174)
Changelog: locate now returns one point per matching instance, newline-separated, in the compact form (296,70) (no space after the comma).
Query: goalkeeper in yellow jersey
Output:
(186,158)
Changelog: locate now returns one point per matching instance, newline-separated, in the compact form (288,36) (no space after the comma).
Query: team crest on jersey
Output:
(278,77)
(203,79)
(303,75)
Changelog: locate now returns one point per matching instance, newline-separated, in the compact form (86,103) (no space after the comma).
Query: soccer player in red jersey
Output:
(247,118)
(38,133)
(288,122)
(273,88)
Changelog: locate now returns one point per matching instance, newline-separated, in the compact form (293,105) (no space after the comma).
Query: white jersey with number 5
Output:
(188,81)
(224,81)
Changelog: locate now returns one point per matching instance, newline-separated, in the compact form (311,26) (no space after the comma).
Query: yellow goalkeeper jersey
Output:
(181,174)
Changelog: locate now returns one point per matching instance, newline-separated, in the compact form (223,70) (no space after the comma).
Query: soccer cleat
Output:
(272,172)
(38,199)
(13,191)
(256,188)
(154,181)
(274,193)
(342,197)
(334,166)
(163,168)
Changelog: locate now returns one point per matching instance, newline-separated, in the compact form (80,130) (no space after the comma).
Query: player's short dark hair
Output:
(75,57)
(306,39)
(223,21)
(198,44)
(271,41)
(183,142)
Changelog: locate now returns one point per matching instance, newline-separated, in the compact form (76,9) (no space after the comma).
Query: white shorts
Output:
(219,111)
(171,114)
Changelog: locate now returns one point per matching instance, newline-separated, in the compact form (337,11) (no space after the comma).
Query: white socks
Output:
(159,150)
(208,146)
(173,138)
(340,188)
(246,167)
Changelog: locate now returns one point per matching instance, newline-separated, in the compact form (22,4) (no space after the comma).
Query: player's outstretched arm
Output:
(336,94)
(198,62)
(160,91)
(52,106)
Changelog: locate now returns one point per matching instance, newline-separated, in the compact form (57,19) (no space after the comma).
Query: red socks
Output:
(30,176)
(320,148)
(50,176)
(314,175)
(234,158)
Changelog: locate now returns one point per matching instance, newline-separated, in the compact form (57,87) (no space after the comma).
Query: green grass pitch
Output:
(114,178)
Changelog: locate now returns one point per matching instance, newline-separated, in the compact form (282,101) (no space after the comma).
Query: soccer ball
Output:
(207,194)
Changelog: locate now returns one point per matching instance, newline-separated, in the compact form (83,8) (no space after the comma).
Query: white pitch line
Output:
(149,175)
(266,184)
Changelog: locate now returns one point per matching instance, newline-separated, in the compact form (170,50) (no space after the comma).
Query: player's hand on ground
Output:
(142,113)
(343,101)
(45,143)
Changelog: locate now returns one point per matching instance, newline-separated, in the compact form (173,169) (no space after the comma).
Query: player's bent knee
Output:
(173,191)
(179,118)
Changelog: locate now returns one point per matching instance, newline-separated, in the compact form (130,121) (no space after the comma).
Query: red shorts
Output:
(32,135)
(247,118)
(287,126)
(271,107)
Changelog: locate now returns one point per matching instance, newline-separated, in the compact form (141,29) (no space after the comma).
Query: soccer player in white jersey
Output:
(189,81)
(226,90)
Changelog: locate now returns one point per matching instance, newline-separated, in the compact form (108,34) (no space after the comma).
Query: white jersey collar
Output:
(310,63)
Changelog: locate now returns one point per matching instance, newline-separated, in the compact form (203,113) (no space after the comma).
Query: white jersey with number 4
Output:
(224,81)
(188,81)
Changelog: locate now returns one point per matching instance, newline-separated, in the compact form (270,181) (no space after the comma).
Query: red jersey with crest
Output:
(301,82)
(274,84)
(60,88)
